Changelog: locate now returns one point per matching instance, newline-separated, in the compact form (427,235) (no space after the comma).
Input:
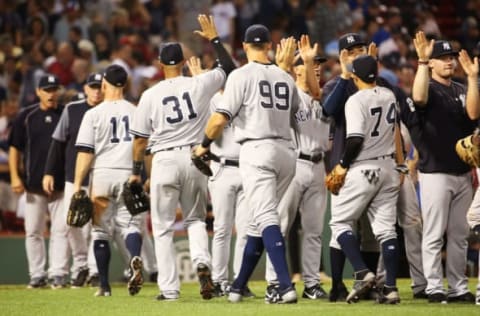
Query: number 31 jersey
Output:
(105,129)
(260,99)
(174,112)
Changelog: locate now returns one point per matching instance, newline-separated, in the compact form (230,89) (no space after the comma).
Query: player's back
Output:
(178,109)
(259,98)
(106,128)
(371,113)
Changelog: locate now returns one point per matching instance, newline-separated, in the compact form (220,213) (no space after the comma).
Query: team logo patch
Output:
(372,175)
(48,119)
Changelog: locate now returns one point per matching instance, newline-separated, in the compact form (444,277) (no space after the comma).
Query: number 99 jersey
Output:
(106,130)
(261,99)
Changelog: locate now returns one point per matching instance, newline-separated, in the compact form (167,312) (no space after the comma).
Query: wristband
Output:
(423,62)
(137,167)
(206,141)
(215,40)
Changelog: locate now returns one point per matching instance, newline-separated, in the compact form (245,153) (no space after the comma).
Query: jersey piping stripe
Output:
(356,135)
(84,145)
(222,111)
(139,134)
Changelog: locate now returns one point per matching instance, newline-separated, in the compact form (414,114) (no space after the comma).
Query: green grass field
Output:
(17,300)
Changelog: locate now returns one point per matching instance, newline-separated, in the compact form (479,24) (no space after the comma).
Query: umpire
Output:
(30,136)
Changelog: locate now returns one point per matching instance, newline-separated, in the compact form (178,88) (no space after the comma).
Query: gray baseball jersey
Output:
(311,135)
(224,146)
(371,114)
(260,108)
(181,116)
(111,142)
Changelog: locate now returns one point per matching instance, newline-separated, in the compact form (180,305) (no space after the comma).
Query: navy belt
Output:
(313,158)
(231,163)
(177,148)
(389,156)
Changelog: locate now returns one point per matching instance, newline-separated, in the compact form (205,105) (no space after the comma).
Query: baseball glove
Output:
(468,149)
(80,210)
(135,198)
(201,162)
(335,180)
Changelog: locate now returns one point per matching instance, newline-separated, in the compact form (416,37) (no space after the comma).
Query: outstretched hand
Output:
(285,53)
(194,65)
(307,52)
(423,46)
(209,30)
(470,67)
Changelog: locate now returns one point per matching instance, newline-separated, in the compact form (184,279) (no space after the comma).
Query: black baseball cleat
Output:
(420,295)
(81,278)
(103,291)
(464,298)
(153,277)
(388,295)
(58,282)
(364,280)
(93,280)
(37,283)
(315,292)
(438,297)
(270,292)
(205,279)
(247,292)
(136,278)
(287,296)
(338,293)
(217,290)
(161,297)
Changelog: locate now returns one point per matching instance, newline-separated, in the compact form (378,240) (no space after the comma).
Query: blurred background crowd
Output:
(73,38)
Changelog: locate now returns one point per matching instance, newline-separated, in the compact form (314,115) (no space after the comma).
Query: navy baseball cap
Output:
(350,40)
(171,54)
(317,59)
(366,68)
(116,75)
(94,79)
(442,48)
(48,81)
(257,33)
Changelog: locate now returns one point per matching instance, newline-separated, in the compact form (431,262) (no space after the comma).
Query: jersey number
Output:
(115,122)
(390,117)
(279,97)
(173,100)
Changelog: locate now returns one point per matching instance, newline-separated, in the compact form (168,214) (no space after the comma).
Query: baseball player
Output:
(371,182)
(104,144)
(259,99)
(228,204)
(172,114)
(31,136)
(448,111)
(335,94)
(62,154)
(307,193)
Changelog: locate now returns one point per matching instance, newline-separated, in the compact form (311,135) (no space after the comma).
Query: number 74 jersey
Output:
(370,113)
(106,130)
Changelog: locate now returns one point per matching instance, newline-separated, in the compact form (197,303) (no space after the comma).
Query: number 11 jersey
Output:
(174,111)
(106,130)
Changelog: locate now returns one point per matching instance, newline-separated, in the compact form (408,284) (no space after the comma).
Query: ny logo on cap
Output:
(98,77)
(51,79)
(446,46)
(350,39)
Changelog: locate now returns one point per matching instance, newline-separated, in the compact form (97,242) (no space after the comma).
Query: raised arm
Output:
(420,84)
(209,32)
(471,70)
(285,53)
(308,53)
